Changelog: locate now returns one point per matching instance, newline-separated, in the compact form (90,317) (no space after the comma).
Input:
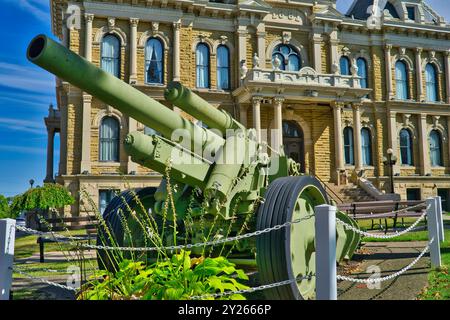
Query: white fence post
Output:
(325,227)
(440,219)
(7,238)
(433,232)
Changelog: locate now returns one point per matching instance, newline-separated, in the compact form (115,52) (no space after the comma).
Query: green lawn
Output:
(438,280)
(27,246)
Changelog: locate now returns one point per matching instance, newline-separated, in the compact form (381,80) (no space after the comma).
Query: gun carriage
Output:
(221,174)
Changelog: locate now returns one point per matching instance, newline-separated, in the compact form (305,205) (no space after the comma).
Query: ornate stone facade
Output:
(317,98)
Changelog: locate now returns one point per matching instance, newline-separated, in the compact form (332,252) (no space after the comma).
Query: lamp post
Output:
(390,161)
(31,182)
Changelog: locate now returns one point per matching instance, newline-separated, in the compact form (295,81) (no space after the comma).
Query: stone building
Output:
(343,87)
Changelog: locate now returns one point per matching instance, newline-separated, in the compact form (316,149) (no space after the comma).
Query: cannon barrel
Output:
(196,106)
(67,65)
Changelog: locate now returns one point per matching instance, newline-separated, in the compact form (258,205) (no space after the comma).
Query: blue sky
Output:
(26,91)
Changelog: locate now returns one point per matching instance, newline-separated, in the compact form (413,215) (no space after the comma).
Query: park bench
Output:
(383,210)
(59,224)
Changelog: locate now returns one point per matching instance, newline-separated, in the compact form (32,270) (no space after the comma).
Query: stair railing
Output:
(330,191)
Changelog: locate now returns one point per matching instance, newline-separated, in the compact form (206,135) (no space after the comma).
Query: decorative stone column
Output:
(392,137)
(86,134)
(277,139)
(448,134)
(132,127)
(357,136)
(447,75)
(50,150)
(133,50)
(317,51)
(243,114)
(88,18)
(338,140)
(334,43)
(256,104)
(261,44)
(419,78)
(387,60)
(424,155)
(176,51)
(242,46)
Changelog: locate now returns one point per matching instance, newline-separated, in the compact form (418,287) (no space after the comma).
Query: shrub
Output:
(177,278)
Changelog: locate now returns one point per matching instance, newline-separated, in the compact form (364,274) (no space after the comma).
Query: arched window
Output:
(391,9)
(432,82)
(223,68)
(436,149)
(406,147)
(362,72)
(344,64)
(401,80)
(348,145)
(366,146)
(154,61)
(110,53)
(202,65)
(109,139)
(289,57)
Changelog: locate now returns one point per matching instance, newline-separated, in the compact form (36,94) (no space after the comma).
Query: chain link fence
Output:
(66,239)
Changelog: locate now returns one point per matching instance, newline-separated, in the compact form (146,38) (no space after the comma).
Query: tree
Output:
(5,210)
(51,196)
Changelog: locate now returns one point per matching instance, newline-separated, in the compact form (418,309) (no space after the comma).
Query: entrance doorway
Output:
(294,142)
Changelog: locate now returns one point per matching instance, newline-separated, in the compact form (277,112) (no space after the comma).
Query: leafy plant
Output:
(49,196)
(5,210)
(177,278)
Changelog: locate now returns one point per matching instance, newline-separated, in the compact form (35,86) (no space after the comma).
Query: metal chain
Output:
(263,287)
(54,284)
(389,277)
(200,244)
(382,236)
(410,208)
(52,234)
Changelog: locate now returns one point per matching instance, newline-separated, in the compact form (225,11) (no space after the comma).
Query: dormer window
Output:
(411,10)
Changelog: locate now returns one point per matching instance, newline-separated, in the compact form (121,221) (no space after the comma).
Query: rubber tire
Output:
(113,222)
(273,248)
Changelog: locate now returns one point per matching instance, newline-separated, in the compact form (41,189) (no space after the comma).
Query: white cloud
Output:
(14,124)
(21,149)
(26,78)
(38,8)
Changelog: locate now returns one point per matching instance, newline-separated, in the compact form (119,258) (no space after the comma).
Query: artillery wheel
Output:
(115,212)
(289,252)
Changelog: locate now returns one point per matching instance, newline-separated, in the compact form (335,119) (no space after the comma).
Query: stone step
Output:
(348,193)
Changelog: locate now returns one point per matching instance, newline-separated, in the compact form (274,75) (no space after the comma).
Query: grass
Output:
(26,246)
(438,280)
(410,236)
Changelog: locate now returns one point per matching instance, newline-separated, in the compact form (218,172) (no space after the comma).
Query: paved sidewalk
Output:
(390,257)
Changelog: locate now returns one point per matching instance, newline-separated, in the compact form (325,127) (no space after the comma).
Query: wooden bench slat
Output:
(70,219)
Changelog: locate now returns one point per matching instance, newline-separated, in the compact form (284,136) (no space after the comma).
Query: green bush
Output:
(5,211)
(177,278)
(49,196)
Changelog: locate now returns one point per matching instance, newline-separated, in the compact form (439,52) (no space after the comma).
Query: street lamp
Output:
(390,161)
(31,182)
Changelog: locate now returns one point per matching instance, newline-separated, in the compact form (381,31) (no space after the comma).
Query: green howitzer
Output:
(220,177)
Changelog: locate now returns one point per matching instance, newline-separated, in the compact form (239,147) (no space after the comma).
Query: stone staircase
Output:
(347,193)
